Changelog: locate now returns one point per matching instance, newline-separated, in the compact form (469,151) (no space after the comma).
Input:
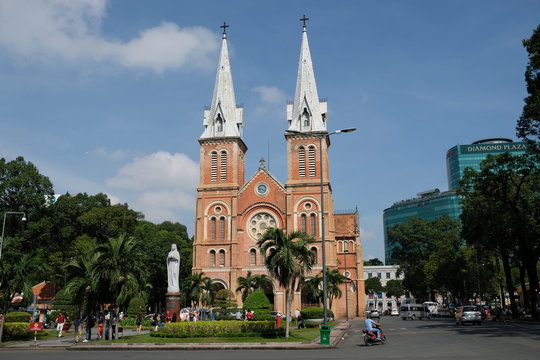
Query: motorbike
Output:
(370,338)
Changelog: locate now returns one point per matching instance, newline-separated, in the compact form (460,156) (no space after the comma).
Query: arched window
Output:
(222,228)
(302,161)
(212,258)
(221,257)
(305,118)
(219,124)
(312,224)
(223,167)
(213,228)
(213,169)
(303,220)
(311,154)
(315,255)
(345,246)
(253,257)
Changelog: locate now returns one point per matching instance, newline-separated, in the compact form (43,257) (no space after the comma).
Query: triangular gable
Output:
(271,178)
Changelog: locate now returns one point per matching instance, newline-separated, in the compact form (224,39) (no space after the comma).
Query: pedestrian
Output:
(114,322)
(101,322)
(107,324)
(138,322)
(174,317)
(296,315)
(78,328)
(90,322)
(60,320)
(300,322)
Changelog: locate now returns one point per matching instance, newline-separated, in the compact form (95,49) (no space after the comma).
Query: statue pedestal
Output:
(173,303)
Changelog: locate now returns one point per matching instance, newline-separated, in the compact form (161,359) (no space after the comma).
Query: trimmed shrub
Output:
(315,313)
(16,330)
(257,300)
(18,317)
(136,306)
(188,329)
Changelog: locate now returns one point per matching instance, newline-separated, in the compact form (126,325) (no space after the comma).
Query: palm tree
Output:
(199,290)
(119,267)
(82,287)
(333,281)
(250,283)
(17,275)
(287,259)
(313,287)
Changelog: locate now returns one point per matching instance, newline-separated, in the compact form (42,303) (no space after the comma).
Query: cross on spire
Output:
(304,19)
(262,161)
(224,27)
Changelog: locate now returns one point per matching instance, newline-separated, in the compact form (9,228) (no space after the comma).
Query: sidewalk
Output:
(68,343)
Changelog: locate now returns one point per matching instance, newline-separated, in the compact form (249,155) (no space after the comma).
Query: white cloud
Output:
(160,185)
(70,30)
(270,94)
(113,155)
(158,171)
(271,101)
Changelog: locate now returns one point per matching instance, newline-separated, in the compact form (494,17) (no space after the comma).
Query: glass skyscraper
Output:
(461,156)
(430,205)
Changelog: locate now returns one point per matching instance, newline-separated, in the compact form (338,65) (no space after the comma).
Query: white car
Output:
(374,314)
(394,312)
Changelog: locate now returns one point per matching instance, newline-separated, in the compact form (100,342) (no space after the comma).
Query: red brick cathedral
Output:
(232,212)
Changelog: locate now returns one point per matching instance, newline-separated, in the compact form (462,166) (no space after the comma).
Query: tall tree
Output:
(334,279)
(198,289)
(417,240)
(373,285)
(119,265)
(313,288)
(511,186)
(528,126)
(250,283)
(394,289)
(287,259)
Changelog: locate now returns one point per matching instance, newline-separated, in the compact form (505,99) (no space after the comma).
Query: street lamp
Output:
(321,136)
(4,226)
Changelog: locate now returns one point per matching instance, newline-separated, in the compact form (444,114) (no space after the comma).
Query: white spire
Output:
(223,119)
(307,113)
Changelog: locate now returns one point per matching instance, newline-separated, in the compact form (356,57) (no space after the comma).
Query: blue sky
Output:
(108,96)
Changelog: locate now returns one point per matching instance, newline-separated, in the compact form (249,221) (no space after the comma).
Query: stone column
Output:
(173,304)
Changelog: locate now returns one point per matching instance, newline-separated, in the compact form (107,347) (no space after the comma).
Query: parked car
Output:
(394,312)
(374,314)
(468,314)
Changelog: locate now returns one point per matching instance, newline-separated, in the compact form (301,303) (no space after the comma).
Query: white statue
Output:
(173,268)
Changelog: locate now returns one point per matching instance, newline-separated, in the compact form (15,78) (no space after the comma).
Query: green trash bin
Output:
(325,335)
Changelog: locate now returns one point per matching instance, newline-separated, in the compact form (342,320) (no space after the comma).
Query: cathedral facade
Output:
(232,213)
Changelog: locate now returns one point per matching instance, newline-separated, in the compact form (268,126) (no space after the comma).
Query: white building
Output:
(378,300)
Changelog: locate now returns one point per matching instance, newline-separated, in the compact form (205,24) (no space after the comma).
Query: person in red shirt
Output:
(60,320)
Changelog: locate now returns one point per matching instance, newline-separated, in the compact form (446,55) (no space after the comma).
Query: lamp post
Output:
(4,226)
(321,136)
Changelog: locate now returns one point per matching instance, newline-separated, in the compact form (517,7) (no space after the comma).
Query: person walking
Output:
(78,328)
(101,322)
(90,322)
(60,321)
(138,322)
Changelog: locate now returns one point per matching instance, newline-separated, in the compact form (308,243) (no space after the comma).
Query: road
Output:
(419,339)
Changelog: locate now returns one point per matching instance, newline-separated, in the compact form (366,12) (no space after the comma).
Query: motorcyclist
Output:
(374,327)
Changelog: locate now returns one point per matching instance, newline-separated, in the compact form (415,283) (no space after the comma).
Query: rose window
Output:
(259,223)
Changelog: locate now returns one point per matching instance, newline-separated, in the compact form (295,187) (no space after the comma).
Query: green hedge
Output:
(19,331)
(188,329)
(130,322)
(18,317)
(314,313)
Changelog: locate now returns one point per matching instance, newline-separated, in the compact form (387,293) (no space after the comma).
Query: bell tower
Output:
(307,154)
(222,170)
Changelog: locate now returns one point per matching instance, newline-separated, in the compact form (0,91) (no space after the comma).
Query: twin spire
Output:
(225,119)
